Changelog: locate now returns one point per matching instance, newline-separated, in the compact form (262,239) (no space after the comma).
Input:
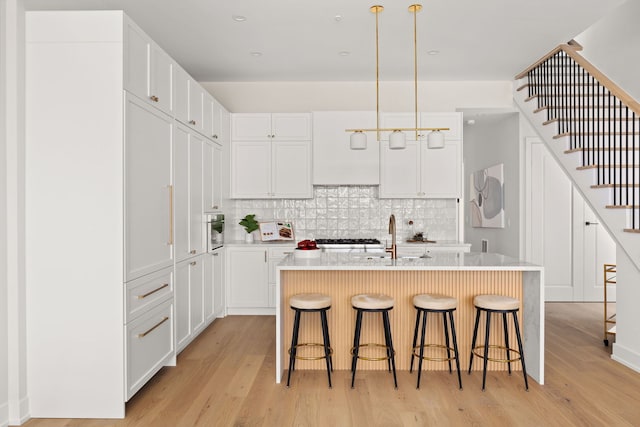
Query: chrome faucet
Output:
(392,230)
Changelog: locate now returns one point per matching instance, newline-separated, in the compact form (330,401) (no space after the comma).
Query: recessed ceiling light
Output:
(256,53)
(338,18)
(344,53)
(433,52)
(239,18)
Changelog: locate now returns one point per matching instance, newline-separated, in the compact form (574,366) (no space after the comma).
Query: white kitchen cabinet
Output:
(144,293)
(291,169)
(196,97)
(181,81)
(148,188)
(196,218)
(334,162)
(212,176)
(189,299)
(271,126)
(419,172)
(212,116)
(181,191)
(247,279)
(214,302)
(147,69)
(250,169)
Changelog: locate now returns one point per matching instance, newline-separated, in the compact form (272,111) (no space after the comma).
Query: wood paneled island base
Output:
(402,281)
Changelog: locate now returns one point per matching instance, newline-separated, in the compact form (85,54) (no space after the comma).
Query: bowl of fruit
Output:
(307,249)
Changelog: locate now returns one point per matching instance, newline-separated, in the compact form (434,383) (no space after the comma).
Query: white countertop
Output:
(455,261)
(439,243)
(289,243)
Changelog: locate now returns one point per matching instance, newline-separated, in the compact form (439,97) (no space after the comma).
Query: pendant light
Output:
(397,138)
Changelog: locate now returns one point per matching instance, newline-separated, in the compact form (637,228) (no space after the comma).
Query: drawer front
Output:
(149,344)
(146,292)
(280,252)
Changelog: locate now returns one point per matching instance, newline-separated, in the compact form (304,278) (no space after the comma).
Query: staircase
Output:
(592,127)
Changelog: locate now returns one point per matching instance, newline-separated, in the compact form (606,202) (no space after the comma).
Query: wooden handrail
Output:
(571,50)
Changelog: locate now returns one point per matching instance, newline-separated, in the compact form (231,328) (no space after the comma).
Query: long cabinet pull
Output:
(154,98)
(170,214)
(144,334)
(265,256)
(143,296)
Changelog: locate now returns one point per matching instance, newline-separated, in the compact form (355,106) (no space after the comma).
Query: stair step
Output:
(587,167)
(623,206)
(603,111)
(592,119)
(578,150)
(562,135)
(632,230)
(615,185)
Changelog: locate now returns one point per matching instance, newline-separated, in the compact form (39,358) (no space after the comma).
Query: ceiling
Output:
(294,40)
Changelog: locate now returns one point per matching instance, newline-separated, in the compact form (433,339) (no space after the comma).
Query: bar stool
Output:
(435,303)
(499,304)
(310,303)
(373,303)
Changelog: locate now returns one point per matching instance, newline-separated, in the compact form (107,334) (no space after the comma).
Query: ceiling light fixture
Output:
(397,139)
(239,18)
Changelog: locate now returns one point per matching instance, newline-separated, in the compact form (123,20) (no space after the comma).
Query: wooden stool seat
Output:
(310,301)
(496,302)
(435,302)
(372,301)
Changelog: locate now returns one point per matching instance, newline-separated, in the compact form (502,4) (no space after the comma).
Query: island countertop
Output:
(456,261)
(458,274)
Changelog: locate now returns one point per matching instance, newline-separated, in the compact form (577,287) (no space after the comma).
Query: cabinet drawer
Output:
(275,256)
(280,252)
(145,292)
(149,345)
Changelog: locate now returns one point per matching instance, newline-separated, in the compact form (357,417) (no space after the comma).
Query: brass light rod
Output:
(392,129)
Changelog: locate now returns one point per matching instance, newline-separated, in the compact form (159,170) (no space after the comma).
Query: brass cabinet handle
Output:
(144,334)
(192,122)
(265,256)
(154,98)
(215,136)
(192,263)
(192,251)
(153,291)
(216,254)
(170,215)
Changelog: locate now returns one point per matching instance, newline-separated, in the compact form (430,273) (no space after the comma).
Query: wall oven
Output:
(215,231)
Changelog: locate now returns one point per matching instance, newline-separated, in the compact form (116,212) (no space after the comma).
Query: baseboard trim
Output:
(626,356)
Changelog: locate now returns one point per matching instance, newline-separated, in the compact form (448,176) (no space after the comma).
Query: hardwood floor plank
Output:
(226,378)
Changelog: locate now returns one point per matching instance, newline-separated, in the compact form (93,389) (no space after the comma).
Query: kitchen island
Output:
(458,274)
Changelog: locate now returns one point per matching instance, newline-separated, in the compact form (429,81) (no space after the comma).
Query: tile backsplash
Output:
(350,211)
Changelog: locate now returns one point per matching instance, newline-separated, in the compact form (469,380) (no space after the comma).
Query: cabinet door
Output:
(291,169)
(196,95)
(136,66)
(250,169)
(148,192)
(196,219)
(181,93)
(217,177)
(183,329)
(247,278)
(160,75)
(399,171)
(196,294)
(181,191)
(207,114)
(207,291)
(440,171)
(219,301)
(207,175)
(216,124)
(251,127)
(291,126)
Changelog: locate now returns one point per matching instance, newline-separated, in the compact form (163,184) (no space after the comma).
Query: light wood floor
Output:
(226,378)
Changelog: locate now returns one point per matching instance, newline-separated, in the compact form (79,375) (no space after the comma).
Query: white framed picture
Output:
(487,197)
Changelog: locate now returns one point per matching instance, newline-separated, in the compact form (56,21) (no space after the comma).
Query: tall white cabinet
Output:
(115,182)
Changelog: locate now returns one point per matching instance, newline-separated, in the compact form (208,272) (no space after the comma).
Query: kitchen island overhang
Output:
(461,275)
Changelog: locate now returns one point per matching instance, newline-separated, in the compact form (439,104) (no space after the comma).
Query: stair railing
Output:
(600,119)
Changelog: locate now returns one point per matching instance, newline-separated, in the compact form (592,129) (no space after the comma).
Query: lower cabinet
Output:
(149,345)
(275,256)
(214,295)
(189,299)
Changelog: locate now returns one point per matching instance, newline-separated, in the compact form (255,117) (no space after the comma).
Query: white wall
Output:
(612,45)
(626,349)
(495,139)
(291,97)
(12,308)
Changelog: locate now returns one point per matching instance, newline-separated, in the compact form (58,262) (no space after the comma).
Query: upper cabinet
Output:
(271,156)
(266,126)
(147,69)
(334,162)
(417,171)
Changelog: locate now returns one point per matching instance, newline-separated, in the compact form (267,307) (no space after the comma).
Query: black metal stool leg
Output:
(325,339)
(455,347)
(324,315)
(415,338)
(524,368)
(424,328)
(446,338)
(294,342)
(486,349)
(392,351)
(506,340)
(356,344)
(475,335)
(386,341)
